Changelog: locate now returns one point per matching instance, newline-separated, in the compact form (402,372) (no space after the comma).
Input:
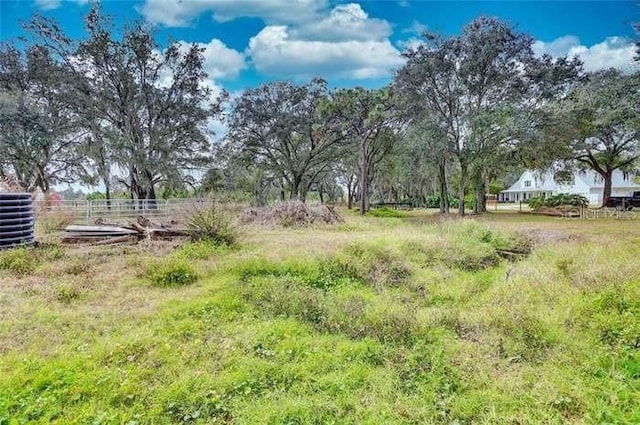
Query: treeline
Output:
(463,112)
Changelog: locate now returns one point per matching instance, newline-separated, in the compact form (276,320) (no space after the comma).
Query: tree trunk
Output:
(444,192)
(107,190)
(295,188)
(480,199)
(151,192)
(606,192)
(349,197)
(464,173)
(363,176)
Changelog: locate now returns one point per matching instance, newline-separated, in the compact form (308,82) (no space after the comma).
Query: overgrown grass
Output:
(452,322)
(23,261)
(171,272)
(385,212)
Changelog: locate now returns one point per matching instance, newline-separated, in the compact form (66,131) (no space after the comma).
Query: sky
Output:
(349,43)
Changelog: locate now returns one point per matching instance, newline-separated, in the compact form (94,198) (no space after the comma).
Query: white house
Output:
(587,183)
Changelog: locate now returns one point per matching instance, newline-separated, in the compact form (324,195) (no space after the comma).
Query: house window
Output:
(527,183)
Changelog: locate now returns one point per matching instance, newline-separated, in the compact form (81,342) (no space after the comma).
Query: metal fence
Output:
(81,210)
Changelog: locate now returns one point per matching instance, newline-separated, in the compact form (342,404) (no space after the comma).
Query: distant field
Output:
(499,319)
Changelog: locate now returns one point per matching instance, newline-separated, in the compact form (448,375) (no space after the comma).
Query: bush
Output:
(558,200)
(172,272)
(211,225)
(433,201)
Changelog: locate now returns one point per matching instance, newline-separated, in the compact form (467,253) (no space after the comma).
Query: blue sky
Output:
(348,43)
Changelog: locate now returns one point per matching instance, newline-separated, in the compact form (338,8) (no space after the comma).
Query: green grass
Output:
(420,321)
(385,212)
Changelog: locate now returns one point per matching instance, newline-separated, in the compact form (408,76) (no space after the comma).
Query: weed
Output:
(171,272)
(199,250)
(322,274)
(526,337)
(66,292)
(49,222)
(19,261)
(77,267)
(375,263)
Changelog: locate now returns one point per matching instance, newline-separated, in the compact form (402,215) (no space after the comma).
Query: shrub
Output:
(433,201)
(171,272)
(558,200)
(385,212)
(212,225)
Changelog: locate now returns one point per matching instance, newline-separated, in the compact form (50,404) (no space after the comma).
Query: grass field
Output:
(501,319)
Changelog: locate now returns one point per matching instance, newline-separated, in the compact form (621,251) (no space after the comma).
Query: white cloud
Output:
(558,47)
(303,38)
(274,52)
(221,61)
(345,22)
(181,13)
(411,43)
(48,4)
(613,52)
(416,27)
(54,4)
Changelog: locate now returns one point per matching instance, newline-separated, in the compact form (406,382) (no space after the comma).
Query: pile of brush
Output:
(291,214)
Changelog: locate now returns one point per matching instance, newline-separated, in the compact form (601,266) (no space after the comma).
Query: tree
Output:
(598,124)
(428,145)
(468,83)
(346,170)
(278,126)
(39,135)
(150,105)
(366,118)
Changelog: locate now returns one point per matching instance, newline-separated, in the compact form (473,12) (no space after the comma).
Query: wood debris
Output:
(104,233)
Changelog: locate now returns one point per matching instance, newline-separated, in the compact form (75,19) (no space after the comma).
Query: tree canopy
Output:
(462,115)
